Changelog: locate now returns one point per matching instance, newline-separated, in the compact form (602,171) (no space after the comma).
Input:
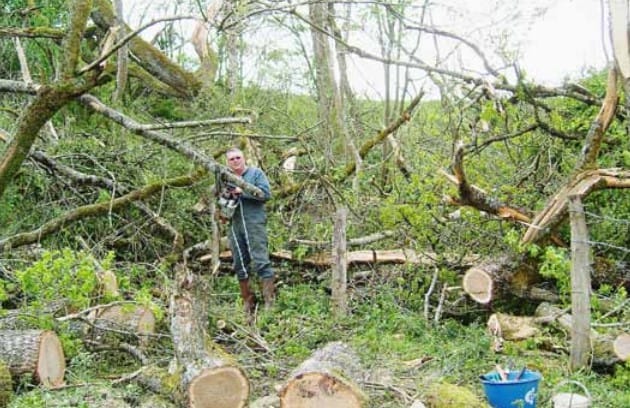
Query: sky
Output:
(555,39)
(566,39)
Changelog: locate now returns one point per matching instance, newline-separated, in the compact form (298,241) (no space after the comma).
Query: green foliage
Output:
(58,275)
(556,264)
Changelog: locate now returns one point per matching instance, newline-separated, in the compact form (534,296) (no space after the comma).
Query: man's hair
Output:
(233,150)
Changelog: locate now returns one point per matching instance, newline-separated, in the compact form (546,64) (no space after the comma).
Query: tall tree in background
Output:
(328,97)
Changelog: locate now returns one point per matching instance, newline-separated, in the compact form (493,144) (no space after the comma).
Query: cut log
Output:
(606,350)
(621,346)
(6,385)
(118,321)
(35,352)
(393,256)
(512,327)
(327,379)
(503,277)
(210,377)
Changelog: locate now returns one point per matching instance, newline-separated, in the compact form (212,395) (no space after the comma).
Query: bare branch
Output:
(92,210)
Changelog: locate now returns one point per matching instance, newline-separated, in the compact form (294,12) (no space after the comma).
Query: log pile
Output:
(33,352)
(606,349)
(327,379)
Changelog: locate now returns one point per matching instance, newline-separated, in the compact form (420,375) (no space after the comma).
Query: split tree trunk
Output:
(606,350)
(327,379)
(35,352)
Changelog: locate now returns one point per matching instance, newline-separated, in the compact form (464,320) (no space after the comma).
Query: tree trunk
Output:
(35,352)
(340,265)
(123,320)
(499,278)
(580,286)
(148,56)
(210,379)
(327,379)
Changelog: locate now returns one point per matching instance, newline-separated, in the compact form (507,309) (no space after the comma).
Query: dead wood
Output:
(209,376)
(118,322)
(195,155)
(328,378)
(502,277)
(586,177)
(368,239)
(508,327)
(581,186)
(92,210)
(607,350)
(382,135)
(148,56)
(393,256)
(475,197)
(34,352)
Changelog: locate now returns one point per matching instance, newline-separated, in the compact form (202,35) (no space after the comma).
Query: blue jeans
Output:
(250,254)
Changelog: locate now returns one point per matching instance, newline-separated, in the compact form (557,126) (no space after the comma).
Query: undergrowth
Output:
(402,352)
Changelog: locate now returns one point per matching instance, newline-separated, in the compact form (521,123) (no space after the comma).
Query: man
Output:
(247,232)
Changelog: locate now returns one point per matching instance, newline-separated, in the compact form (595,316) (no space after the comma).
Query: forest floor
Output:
(403,348)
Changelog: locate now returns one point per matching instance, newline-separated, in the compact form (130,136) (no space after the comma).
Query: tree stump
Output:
(327,379)
(35,352)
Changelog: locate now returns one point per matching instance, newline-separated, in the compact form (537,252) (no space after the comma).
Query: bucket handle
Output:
(579,384)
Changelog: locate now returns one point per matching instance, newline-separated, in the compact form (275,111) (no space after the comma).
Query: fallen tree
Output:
(502,278)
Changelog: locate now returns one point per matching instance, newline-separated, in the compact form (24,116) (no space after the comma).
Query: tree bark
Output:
(339,264)
(327,379)
(6,385)
(606,350)
(209,377)
(123,321)
(502,277)
(34,352)
(147,56)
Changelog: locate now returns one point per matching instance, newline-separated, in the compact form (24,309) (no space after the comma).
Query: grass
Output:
(402,353)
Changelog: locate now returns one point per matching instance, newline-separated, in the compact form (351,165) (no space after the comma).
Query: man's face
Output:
(235,161)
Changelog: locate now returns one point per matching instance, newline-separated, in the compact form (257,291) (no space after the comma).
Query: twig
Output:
(429,292)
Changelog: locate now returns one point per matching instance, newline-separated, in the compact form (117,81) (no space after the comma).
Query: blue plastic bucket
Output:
(512,393)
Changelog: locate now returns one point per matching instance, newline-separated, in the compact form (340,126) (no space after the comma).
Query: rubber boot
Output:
(269,292)
(249,300)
